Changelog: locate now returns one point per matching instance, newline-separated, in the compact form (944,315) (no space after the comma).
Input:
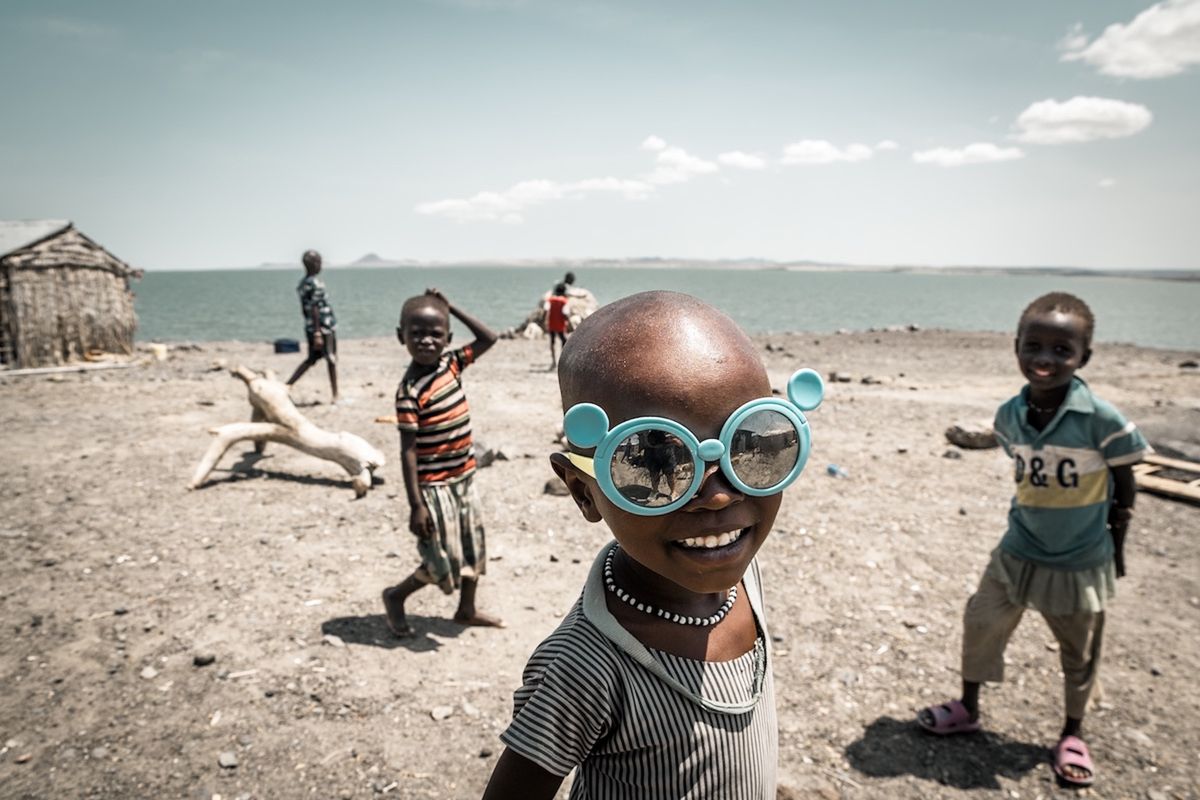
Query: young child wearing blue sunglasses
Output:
(658,683)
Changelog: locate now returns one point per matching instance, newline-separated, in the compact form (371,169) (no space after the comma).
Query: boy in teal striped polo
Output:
(1073,457)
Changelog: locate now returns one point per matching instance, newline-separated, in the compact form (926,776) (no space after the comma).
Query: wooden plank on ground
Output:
(1168,488)
(84,367)
(1148,479)
(1172,463)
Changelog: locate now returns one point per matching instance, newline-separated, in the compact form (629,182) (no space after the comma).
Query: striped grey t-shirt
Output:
(596,699)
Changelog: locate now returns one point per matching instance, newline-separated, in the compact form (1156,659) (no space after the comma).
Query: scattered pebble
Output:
(24,757)
(1138,736)
(848,677)
(333,640)
(1156,672)
(954,455)
(149,672)
(228,760)
(99,753)
(440,713)
(485,753)
(120,611)
(555,487)
(203,659)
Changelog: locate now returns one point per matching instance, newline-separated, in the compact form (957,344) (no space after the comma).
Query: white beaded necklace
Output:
(1040,410)
(679,619)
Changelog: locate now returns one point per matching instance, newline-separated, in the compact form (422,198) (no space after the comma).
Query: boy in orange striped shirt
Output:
(437,458)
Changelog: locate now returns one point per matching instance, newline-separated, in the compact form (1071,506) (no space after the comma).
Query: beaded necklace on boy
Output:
(1041,410)
(679,619)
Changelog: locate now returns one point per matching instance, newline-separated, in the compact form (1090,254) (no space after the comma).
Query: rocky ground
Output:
(229,642)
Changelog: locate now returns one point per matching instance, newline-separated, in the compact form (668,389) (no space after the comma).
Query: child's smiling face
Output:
(657,542)
(1050,347)
(697,370)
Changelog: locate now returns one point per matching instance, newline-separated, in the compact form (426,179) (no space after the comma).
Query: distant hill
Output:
(376,260)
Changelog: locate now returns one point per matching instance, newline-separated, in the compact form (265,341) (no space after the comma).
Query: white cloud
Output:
(1163,40)
(977,153)
(886,144)
(676,165)
(631,189)
(737,158)
(74,28)
(509,206)
(653,143)
(1107,183)
(1073,39)
(672,165)
(1080,119)
(503,206)
(819,151)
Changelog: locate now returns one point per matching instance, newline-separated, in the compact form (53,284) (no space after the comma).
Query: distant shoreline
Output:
(778,340)
(733,265)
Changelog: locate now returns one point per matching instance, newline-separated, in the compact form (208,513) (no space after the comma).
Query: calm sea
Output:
(261,305)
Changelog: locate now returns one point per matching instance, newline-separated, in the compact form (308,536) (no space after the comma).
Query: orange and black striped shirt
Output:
(434,406)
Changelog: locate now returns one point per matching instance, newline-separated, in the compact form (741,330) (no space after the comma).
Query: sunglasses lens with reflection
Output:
(764,449)
(652,468)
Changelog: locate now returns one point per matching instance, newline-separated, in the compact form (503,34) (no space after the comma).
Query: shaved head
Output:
(653,352)
(423,301)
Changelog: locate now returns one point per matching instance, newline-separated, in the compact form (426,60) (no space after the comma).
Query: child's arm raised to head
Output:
(420,523)
(517,778)
(485,337)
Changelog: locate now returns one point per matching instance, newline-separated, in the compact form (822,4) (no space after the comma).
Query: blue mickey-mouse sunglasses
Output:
(652,465)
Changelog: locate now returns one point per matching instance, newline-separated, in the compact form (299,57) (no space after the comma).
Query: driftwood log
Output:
(274,418)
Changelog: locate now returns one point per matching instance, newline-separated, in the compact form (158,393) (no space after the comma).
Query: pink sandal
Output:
(949,718)
(1072,752)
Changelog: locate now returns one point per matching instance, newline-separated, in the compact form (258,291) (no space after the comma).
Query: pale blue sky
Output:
(195,135)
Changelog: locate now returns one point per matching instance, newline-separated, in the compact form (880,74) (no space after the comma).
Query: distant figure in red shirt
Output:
(556,319)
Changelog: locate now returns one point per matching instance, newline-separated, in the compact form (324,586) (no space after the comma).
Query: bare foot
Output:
(479,620)
(396,620)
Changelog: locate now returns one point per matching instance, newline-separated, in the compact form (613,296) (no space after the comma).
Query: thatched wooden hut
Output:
(62,296)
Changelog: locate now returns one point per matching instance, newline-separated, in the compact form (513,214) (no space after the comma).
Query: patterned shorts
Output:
(458,549)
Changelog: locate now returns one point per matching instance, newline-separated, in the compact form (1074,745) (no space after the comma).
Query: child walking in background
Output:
(438,460)
(320,325)
(556,319)
(1074,457)
(657,683)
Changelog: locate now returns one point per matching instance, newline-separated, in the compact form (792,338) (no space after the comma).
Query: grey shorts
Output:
(458,548)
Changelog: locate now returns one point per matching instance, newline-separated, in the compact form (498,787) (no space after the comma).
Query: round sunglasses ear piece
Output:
(806,389)
(711,450)
(585,425)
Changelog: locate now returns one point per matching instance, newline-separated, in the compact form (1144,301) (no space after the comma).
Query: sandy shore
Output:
(115,577)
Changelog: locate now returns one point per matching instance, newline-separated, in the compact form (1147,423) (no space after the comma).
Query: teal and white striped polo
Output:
(1059,514)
